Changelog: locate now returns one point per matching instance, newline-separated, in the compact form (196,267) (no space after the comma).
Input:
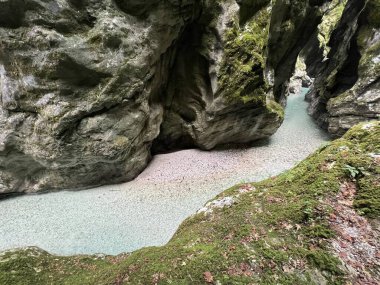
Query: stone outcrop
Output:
(315,52)
(217,91)
(300,77)
(313,55)
(87,87)
(292,24)
(78,82)
(347,89)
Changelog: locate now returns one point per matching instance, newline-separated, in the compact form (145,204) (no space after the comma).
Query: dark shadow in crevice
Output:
(137,8)
(12,13)
(348,74)
(189,85)
(249,8)
(76,74)
(5,196)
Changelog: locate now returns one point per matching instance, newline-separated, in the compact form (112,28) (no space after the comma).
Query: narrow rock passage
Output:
(148,210)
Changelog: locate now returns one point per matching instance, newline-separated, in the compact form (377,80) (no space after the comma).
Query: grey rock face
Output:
(316,50)
(291,27)
(139,8)
(300,77)
(87,86)
(199,107)
(233,72)
(347,91)
(76,83)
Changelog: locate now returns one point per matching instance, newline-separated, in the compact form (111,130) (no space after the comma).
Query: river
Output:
(147,211)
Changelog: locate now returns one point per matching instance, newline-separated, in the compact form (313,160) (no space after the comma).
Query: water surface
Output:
(148,210)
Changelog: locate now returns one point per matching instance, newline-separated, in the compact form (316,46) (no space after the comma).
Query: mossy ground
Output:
(276,231)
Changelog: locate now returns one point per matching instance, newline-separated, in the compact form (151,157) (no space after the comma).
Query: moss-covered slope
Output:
(315,224)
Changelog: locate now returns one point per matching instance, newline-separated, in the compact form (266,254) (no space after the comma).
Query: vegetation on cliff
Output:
(298,228)
(345,90)
(328,24)
(241,75)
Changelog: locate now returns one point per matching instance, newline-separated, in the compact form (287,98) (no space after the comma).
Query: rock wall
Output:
(316,50)
(217,91)
(292,24)
(88,86)
(77,82)
(346,91)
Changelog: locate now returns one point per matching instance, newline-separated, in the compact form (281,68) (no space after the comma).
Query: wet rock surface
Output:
(76,83)
(90,89)
(88,86)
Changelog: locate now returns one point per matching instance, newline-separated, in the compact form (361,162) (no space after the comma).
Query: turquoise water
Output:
(148,210)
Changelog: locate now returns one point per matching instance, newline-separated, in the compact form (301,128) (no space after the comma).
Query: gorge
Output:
(122,122)
(147,211)
(88,87)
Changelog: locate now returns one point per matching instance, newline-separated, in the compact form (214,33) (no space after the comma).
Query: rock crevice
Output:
(346,89)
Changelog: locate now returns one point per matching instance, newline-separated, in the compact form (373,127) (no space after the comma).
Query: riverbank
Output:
(317,223)
(148,210)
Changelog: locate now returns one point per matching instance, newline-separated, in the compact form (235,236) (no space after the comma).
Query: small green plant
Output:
(352,171)
(308,211)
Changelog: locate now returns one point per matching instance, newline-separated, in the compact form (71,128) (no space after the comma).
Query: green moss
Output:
(369,48)
(321,230)
(276,108)
(329,22)
(373,7)
(325,261)
(241,76)
(278,233)
(368,198)
(34,266)
(248,8)
(342,98)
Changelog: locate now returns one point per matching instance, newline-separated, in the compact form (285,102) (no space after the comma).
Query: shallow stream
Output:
(148,210)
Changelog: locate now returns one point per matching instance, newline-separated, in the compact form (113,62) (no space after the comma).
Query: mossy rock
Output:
(241,76)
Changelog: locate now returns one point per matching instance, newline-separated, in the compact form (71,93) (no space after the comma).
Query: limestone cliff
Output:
(78,80)
(88,86)
(217,91)
(347,89)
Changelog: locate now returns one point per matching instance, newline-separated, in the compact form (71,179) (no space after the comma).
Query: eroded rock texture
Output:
(88,86)
(347,89)
(217,92)
(77,83)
